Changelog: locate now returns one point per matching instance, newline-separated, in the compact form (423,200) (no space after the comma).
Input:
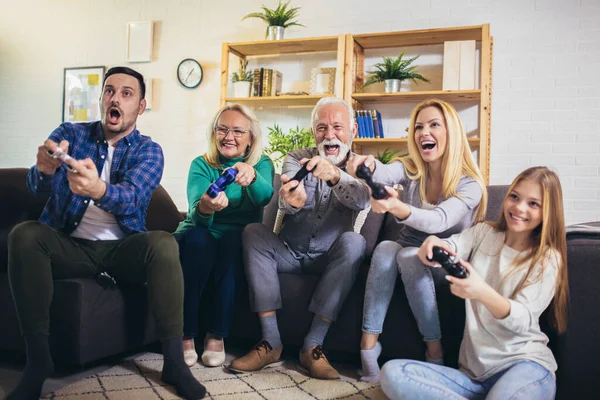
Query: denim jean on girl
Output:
(418,380)
(389,260)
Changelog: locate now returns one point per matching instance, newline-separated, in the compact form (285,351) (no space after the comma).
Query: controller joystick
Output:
(62,156)
(377,189)
(300,175)
(226,178)
(454,269)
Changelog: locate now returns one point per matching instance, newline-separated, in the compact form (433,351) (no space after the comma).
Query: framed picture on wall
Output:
(81,94)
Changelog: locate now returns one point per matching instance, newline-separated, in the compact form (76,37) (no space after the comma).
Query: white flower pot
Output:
(241,89)
(275,32)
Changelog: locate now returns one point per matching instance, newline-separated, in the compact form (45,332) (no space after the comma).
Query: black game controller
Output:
(106,281)
(377,189)
(300,175)
(454,269)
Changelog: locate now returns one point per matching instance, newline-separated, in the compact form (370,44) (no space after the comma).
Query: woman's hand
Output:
(245,175)
(426,250)
(473,287)
(207,205)
(357,160)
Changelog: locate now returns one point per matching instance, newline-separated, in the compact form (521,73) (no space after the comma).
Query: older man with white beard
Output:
(317,237)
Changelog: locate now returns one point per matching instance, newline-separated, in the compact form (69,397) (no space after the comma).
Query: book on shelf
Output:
(370,125)
(459,65)
(267,82)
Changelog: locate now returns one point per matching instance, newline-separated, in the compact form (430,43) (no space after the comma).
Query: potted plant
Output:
(392,71)
(280,143)
(388,155)
(242,80)
(278,19)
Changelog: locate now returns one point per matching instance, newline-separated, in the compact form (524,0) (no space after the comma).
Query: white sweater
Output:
(491,345)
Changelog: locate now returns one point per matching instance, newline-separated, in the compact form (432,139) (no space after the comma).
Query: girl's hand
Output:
(208,205)
(473,287)
(426,250)
(245,175)
(388,204)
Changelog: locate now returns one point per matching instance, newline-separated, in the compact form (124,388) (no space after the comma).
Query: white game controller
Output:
(61,155)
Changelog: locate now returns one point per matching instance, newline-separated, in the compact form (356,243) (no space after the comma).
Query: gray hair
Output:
(332,100)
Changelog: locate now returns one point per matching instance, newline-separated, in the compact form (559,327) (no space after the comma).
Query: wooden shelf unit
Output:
(354,76)
(350,73)
(274,48)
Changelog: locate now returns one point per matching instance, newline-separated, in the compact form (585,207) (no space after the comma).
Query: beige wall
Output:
(546,102)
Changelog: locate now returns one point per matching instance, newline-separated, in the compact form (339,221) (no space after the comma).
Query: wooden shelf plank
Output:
(418,37)
(397,141)
(286,46)
(278,101)
(411,97)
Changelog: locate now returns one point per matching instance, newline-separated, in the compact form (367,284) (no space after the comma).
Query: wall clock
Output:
(189,73)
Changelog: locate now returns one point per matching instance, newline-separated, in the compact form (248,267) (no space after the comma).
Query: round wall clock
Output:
(189,73)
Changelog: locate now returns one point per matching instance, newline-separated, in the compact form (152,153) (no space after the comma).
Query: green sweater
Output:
(239,213)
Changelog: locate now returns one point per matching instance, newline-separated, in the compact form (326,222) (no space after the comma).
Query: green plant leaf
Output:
(283,15)
(394,68)
(281,143)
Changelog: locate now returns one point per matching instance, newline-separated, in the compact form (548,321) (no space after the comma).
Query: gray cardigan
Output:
(449,216)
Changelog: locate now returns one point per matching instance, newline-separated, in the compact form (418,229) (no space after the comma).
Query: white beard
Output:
(342,153)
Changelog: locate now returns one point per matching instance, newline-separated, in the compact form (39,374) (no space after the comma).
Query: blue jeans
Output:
(389,260)
(217,262)
(417,380)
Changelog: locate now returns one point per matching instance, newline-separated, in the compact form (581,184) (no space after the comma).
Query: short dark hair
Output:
(130,72)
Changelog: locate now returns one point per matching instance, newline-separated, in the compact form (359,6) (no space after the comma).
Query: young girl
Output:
(443,194)
(516,266)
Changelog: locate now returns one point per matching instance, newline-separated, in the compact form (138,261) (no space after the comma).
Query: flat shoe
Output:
(213,358)
(190,357)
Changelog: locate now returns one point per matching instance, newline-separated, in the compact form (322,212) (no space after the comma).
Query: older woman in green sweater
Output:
(209,238)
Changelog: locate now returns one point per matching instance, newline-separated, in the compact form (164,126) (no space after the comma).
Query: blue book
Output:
(376,132)
(380,122)
(369,123)
(359,121)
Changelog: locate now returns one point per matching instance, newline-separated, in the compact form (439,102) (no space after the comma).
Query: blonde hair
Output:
(456,160)
(549,236)
(254,151)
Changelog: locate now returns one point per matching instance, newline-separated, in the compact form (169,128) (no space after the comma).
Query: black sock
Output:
(39,367)
(176,373)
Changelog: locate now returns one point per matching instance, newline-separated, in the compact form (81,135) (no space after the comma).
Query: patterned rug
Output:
(139,378)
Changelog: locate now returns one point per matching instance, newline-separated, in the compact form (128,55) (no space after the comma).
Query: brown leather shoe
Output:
(261,356)
(316,364)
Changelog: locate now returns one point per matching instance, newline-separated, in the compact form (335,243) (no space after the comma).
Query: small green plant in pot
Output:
(278,19)
(281,143)
(392,71)
(242,80)
(388,155)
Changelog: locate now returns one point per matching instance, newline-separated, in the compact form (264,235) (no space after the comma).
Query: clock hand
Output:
(188,76)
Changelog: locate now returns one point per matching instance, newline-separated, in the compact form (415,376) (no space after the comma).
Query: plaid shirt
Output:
(136,170)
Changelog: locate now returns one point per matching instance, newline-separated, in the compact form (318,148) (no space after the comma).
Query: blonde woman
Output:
(443,194)
(209,238)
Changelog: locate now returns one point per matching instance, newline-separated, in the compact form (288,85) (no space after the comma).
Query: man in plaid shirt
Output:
(94,223)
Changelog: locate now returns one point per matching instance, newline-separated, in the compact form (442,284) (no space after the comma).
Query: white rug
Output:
(139,378)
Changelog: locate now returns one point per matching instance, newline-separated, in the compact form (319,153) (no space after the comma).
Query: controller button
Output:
(85,202)
(75,223)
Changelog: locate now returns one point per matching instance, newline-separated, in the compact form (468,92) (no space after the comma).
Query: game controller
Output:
(377,189)
(62,156)
(106,281)
(226,178)
(454,269)
(300,175)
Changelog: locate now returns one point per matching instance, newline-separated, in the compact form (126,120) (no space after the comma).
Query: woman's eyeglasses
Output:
(224,131)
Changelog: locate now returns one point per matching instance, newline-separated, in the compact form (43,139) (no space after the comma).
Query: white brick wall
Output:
(546,87)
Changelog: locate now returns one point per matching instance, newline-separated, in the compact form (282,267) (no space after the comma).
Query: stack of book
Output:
(267,82)
(459,65)
(369,124)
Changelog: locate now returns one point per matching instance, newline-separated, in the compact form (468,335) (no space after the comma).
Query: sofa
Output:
(89,323)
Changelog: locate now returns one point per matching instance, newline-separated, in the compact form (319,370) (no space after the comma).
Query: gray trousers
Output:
(265,255)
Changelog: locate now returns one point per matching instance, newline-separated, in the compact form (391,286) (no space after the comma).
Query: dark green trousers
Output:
(37,255)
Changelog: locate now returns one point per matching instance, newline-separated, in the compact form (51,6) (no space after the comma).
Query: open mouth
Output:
(114,115)
(428,145)
(332,149)
(228,145)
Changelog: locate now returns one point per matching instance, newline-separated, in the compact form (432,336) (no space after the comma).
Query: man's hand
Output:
(207,205)
(322,169)
(297,198)
(45,163)
(86,181)
(357,160)
(245,175)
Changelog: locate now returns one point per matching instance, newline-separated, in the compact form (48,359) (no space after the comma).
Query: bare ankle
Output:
(188,344)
